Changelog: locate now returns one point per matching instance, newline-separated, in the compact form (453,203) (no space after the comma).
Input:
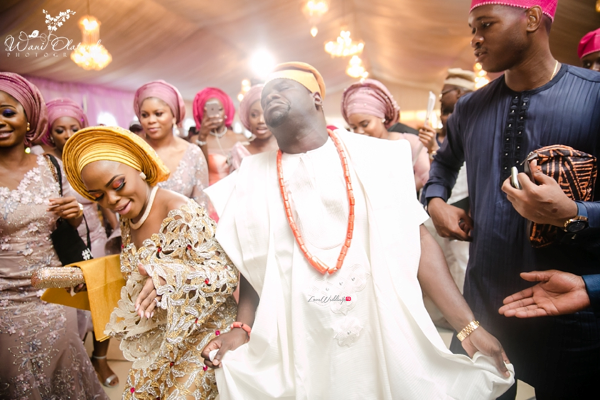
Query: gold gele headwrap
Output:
(303,73)
(110,143)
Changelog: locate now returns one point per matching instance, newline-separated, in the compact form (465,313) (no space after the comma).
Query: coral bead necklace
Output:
(313,260)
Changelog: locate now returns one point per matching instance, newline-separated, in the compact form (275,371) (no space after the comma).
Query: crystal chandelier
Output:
(90,54)
(314,10)
(356,69)
(344,46)
(481,78)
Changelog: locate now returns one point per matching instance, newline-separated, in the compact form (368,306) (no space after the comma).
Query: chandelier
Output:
(356,69)
(481,78)
(314,10)
(344,46)
(90,54)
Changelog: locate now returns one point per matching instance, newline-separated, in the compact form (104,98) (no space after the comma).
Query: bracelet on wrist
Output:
(467,330)
(201,143)
(243,326)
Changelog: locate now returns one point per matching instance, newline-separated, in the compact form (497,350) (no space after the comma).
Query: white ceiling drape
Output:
(193,44)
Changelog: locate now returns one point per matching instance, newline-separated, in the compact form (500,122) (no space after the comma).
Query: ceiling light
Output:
(356,69)
(261,63)
(90,54)
(344,46)
(314,10)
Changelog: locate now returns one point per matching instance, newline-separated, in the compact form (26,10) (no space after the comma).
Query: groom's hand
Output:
(482,341)
(225,342)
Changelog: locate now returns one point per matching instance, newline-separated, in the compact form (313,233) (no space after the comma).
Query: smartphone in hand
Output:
(514,181)
(212,109)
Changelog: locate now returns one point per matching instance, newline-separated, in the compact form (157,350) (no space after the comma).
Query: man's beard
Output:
(277,117)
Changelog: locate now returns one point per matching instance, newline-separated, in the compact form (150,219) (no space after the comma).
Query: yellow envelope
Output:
(104,282)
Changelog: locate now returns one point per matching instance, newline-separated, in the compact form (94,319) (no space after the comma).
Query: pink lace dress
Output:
(191,176)
(41,352)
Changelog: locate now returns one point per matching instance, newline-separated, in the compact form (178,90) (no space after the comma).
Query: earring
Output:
(383,121)
(52,140)
(28,127)
(143,176)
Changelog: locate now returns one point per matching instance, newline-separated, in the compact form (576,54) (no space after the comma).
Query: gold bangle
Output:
(467,330)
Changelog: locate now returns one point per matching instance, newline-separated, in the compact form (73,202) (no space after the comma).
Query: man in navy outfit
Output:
(536,103)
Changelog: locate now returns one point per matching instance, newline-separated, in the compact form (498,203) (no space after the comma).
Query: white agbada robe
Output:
(361,333)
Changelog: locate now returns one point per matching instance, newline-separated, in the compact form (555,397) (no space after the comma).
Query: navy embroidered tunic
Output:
(493,129)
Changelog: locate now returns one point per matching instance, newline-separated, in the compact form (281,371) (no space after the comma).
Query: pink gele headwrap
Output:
(212,93)
(250,98)
(590,43)
(548,6)
(29,96)
(58,108)
(370,97)
(163,91)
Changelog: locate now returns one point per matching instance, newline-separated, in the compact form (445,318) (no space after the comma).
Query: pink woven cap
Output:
(548,6)
(590,43)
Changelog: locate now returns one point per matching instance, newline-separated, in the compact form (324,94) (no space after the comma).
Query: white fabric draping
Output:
(377,342)
(194,44)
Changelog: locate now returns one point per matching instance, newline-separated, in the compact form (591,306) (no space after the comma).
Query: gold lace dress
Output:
(196,305)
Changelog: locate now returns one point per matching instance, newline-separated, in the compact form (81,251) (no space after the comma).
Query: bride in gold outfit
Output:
(179,281)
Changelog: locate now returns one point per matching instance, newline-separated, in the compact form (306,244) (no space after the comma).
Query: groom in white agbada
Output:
(328,238)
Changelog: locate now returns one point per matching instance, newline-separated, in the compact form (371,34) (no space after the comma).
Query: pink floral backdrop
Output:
(101,104)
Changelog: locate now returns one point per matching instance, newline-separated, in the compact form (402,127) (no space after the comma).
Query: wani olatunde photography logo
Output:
(39,44)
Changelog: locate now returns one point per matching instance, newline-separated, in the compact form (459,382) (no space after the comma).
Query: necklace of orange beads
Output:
(313,260)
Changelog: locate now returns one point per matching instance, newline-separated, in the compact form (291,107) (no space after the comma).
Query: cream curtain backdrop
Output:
(193,44)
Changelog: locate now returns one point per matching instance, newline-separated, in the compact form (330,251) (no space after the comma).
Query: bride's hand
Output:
(147,299)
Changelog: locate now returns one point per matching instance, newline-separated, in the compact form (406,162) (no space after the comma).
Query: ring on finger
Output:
(157,301)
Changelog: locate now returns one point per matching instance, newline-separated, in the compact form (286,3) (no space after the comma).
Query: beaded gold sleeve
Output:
(196,280)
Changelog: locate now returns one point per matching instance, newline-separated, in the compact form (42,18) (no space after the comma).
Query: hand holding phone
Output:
(212,110)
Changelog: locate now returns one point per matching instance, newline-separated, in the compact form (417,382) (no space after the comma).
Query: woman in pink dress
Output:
(213,113)
(160,109)
(42,354)
(370,109)
(251,115)
(65,117)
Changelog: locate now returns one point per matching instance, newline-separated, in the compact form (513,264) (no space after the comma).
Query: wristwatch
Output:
(579,222)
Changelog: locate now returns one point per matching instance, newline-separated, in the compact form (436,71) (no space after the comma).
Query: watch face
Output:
(577,226)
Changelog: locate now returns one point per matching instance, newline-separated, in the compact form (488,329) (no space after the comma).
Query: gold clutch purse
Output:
(104,281)
(59,277)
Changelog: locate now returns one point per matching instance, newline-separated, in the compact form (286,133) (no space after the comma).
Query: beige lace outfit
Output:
(196,305)
(41,352)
